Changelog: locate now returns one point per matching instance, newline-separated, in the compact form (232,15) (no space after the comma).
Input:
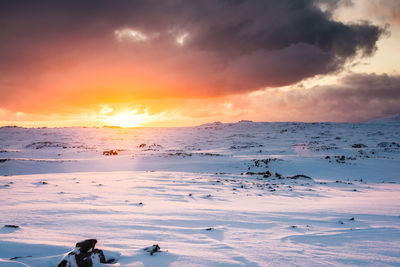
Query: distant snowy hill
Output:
(391,118)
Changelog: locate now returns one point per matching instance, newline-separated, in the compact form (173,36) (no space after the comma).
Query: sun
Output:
(124,120)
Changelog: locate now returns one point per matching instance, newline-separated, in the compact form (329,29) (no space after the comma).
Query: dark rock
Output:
(358,146)
(11,226)
(110,152)
(86,245)
(84,255)
(209,229)
(340,159)
(153,249)
(267,174)
(141,145)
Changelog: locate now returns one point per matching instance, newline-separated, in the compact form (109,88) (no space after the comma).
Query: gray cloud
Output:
(356,98)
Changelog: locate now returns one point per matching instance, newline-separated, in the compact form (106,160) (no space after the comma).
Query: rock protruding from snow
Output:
(388,145)
(11,226)
(84,255)
(153,249)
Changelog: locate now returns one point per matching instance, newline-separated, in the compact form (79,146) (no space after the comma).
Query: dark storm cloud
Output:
(279,67)
(273,25)
(247,44)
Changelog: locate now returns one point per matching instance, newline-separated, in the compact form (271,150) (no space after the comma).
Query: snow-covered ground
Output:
(243,194)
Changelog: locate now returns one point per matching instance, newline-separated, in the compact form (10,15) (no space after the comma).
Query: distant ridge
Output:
(391,118)
(10,126)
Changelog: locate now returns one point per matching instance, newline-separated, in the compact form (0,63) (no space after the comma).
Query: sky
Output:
(183,63)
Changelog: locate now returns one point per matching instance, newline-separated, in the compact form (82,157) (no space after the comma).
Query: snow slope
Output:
(388,119)
(244,194)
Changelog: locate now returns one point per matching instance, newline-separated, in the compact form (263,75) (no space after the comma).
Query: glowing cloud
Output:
(106,110)
(129,35)
(180,39)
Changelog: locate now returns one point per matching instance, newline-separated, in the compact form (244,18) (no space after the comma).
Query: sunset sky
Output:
(182,63)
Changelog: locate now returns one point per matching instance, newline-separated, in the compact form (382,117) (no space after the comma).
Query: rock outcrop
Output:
(84,255)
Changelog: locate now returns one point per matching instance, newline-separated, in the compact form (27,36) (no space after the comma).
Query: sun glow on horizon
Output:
(124,119)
